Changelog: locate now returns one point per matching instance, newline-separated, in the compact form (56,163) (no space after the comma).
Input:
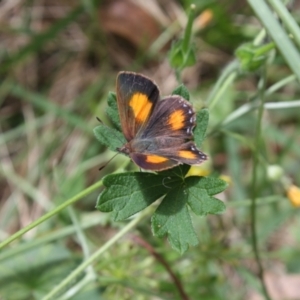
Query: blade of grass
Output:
(227,77)
(278,34)
(46,105)
(259,201)
(287,19)
(244,109)
(53,236)
(66,282)
(281,105)
(19,131)
(52,213)
(25,186)
(40,40)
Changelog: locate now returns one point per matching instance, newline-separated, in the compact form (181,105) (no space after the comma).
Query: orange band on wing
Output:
(155,159)
(187,154)
(141,106)
(176,119)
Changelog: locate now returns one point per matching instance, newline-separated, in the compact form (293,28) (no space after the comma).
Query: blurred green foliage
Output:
(58,65)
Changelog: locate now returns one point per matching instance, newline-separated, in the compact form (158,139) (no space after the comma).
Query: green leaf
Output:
(112,110)
(182,91)
(200,194)
(189,58)
(109,137)
(202,118)
(129,193)
(172,218)
(182,53)
(179,59)
(177,172)
(176,55)
(252,57)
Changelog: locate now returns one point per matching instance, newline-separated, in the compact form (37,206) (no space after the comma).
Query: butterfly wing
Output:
(153,162)
(137,97)
(173,116)
(166,140)
(164,153)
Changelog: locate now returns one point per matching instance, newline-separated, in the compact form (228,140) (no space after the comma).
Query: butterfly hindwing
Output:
(164,151)
(186,153)
(173,116)
(137,97)
(153,162)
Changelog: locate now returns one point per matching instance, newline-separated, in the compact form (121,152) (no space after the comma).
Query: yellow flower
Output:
(198,171)
(293,193)
(203,20)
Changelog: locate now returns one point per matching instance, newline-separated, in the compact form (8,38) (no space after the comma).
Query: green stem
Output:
(265,49)
(244,109)
(278,85)
(185,46)
(66,282)
(254,186)
(259,201)
(227,77)
(188,29)
(51,213)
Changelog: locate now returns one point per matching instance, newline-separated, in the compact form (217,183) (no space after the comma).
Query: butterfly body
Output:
(159,133)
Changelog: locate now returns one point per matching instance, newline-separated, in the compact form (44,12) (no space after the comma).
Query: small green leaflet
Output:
(109,137)
(253,57)
(182,91)
(112,110)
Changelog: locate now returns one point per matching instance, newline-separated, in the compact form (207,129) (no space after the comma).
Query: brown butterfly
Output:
(159,133)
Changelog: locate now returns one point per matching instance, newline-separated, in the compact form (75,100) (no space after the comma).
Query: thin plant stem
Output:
(38,241)
(51,213)
(225,80)
(254,186)
(244,109)
(188,29)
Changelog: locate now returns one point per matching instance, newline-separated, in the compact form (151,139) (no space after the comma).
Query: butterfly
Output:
(159,132)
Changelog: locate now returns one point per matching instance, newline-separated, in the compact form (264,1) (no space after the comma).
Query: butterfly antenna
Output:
(102,167)
(99,120)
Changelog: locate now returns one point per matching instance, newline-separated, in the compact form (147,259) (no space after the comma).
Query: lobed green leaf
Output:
(109,137)
(128,193)
(172,218)
(112,110)
(199,195)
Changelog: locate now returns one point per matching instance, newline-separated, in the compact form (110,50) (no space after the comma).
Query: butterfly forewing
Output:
(136,96)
